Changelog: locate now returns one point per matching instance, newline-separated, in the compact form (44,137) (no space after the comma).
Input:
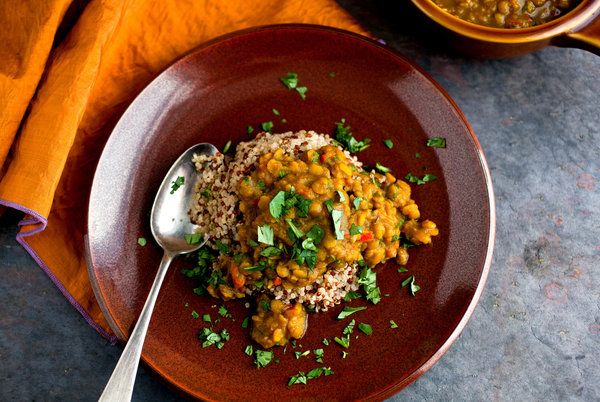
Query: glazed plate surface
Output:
(212,95)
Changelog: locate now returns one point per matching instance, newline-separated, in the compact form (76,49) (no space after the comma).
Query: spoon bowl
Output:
(169,220)
(170,224)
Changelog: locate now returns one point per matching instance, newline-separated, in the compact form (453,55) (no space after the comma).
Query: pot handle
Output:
(587,38)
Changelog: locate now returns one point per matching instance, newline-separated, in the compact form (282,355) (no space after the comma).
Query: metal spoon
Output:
(169,222)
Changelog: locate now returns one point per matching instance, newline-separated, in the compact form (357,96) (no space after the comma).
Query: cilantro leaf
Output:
(368,279)
(267,126)
(290,80)
(316,233)
(382,169)
(393,324)
(297,232)
(276,205)
(343,341)
(436,142)
(351,295)
(349,311)
(388,143)
(343,135)
(336,217)
(226,147)
(263,358)
(142,241)
(414,288)
(354,230)
(249,129)
(223,312)
(265,234)
(178,182)
(270,251)
(366,328)
(356,202)
(349,328)
(193,238)
(249,350)
(246,322)
(414,179)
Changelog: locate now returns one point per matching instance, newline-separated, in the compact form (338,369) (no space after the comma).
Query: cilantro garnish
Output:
(195,315)
(393,324)
(223,312)
(417,155)
(319,354)
(301,354)
(344,354)
(349,311)
(344,341)
(276,112)
(349,328)
(209,338)
(302,378)
(336,217)
(328,205)
(206,193)
(388,143)
(270,251)
(249,350)
(246,322)
(366,328)
(267,126)
(382,169)
(356,202)
(193,238)
(316,234)
(414,179)
(402,269)
(206,318)
(249,129)
(263,358)
(222,247)
(341,195)
(325,341)
(343,135)
(297,232)
(276,205)
(436,142)
(368,279)
(291,82)
(354,230)
(414,288)
(265,234)
(142,241)
(226,147)
(351,295)
(178,182)
(302,91)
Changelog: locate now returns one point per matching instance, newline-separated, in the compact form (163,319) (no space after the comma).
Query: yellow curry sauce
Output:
(507,13)
(304,216)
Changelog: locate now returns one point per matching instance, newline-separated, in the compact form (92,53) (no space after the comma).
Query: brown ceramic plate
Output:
(212,95)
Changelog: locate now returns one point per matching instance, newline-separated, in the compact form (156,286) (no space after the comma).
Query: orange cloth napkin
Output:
(60,101)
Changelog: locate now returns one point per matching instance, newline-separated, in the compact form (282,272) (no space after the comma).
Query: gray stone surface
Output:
(536,332)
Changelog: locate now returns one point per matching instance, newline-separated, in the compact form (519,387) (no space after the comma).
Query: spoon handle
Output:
(120,385)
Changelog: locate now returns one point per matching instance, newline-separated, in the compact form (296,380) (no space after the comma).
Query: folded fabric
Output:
(59,104)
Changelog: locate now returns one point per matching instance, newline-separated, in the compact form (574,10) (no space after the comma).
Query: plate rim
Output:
(491,204)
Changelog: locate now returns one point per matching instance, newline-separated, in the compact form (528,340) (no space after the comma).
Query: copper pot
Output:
(578,28)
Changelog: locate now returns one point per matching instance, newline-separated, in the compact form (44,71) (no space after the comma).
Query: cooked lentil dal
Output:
(507,13)
(293,216)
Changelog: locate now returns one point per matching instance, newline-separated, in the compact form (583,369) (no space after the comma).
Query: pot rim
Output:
(582,14)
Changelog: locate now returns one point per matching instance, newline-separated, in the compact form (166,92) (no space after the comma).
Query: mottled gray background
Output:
(536,332)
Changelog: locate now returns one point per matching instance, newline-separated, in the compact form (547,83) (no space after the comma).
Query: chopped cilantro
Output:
(308,244)
(226,147)
(209,338)
(270,251)
(414,179)
(366,328)
(246,322)
(349,328)
(222,247)
(325,341)
(382,169)
(276,112)
(356,202)
(206,193)
(206,318)
(316,234)
(343,135)
(249,129)
(351,295)
(344,341)
(142,241)
(354,230)
(276,205)
(265,234)
(301,354)
(417,155)
(344,354)
(297,232)
(178,182)
(195,315)
(414,288)
(436,142)
(388,143)
(402,269)
(290,80)
(261,185)
(252,243)
(263,358)
(299,378)
(341,195)
(368,279)
(336,217)
(193,238)
(319,354)
(267,126)
(223,312)
(328,205)
(302,91)
(265,305)
(393,324)
(249,350)
(349,311)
